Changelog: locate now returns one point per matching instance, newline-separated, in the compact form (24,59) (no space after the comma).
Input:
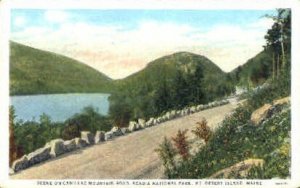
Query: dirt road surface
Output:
(127,157)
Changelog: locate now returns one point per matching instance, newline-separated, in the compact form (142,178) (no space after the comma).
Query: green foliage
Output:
(34,71)
(170,82)
(237,140)
(255,71)
(280,87)
(87,120)
(182,144)
(31,135)
(167,153)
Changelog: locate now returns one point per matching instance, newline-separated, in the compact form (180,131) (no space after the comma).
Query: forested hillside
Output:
(170,82)
(34,71)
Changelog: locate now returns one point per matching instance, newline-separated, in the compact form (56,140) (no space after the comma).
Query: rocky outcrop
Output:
(260,114)
(88,137)
(266,111)
(240,169)
(282,101)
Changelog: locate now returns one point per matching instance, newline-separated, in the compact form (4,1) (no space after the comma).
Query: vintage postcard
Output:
(150,93)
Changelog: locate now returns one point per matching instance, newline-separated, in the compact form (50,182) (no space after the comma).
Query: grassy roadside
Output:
(237,139)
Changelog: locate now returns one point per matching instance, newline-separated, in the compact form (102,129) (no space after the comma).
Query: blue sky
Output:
(110,39)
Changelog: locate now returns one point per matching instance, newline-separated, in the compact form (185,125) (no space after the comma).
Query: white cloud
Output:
(56,16)
(262,23)
(19,21)
(118,52)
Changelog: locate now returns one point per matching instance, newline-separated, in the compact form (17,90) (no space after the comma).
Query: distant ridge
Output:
(34,71)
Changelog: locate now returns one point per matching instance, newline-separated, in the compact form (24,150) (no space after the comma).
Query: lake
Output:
(58,106)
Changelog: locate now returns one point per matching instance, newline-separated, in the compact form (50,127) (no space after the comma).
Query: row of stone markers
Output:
(58,147)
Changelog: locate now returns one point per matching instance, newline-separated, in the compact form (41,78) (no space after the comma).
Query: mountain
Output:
(166,68)
(170,82)
(255,71)
(34,71)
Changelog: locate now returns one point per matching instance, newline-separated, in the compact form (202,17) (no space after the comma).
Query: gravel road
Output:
(128,157)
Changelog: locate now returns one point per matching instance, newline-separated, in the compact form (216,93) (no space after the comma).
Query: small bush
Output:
(181,144)
(202,131)
(167,153)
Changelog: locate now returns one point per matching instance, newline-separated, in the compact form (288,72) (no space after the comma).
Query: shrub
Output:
(167,153)
(181,144)
(71,130)
(202,131)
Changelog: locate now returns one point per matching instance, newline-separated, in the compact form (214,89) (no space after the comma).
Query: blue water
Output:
(58,106)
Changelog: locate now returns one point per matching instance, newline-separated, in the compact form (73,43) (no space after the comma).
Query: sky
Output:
(121,42)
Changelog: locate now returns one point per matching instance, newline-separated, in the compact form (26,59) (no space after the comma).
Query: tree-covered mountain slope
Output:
(34,71)
(170,82)
(255,71)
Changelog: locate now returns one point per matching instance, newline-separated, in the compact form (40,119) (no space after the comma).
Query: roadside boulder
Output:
(142,123)
(187,111)
(210,105)
(173,114)
(99,137)
(20,164)
(182,113)
(39,155)
(132,126)
(70,145)
(199,107)
(156,121)
(150,122)
(261,114)
(224,101)
(109,135)
(168,116)
(116,131)
(159,120)
(57,147)
(193,109)
(80,143)
(240,169)
(88,137)
(124,130)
